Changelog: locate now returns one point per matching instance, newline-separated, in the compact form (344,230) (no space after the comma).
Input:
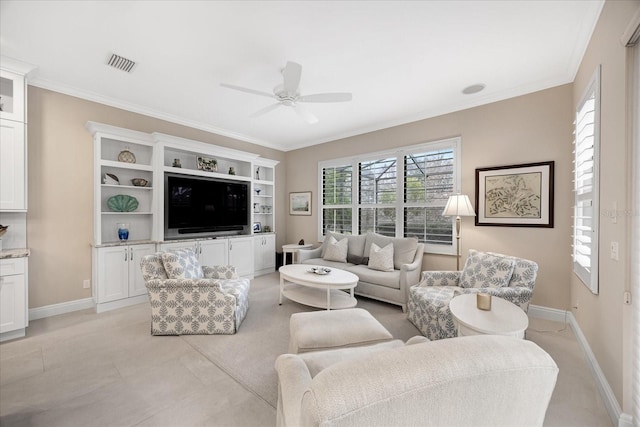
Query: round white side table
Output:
(504,318)
(292,249)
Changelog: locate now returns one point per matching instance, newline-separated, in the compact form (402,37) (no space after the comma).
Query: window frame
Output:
(588,276)
(453,144)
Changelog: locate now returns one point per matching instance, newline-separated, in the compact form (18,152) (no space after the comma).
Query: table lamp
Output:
(458,205)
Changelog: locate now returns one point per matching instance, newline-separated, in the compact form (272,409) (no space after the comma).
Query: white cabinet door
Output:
(241,255)
(264,253)
(269,252)
(12,90)
(136,281)
(12,166)
(214,252)
(13,314)
(113,273)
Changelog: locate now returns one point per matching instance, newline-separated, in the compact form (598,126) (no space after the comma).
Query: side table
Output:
(504,318)
(292,249)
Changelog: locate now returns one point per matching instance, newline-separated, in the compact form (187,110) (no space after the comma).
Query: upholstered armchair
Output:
(502,276)
(478,380)
(188,299)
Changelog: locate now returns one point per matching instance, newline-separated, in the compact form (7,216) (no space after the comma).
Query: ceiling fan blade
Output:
(327,97)
(265,110)
(306,115)
(247,90)
(291,75)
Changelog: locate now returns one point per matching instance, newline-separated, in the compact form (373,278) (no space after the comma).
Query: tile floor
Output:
(87,369)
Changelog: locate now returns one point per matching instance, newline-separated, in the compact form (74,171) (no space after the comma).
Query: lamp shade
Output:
(458,205)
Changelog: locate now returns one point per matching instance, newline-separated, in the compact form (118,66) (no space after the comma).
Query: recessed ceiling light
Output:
(473,89)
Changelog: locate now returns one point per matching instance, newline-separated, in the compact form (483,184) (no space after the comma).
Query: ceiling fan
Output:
(286,94)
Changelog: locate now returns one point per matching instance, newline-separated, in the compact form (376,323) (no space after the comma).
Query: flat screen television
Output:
(201,206)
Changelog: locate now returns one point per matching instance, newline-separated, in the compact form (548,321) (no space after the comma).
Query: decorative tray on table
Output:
(320,270)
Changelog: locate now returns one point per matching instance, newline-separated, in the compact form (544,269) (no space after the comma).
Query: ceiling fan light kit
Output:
(287,94)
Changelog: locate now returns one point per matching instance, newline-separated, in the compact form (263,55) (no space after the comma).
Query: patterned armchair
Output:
(188,299)
(500,275)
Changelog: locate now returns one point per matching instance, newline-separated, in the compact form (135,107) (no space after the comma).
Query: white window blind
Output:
(399,194)
(586,184)
(337,198)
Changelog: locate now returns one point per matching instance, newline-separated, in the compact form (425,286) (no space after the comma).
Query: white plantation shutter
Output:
(635,234)
(336,199)
(586,185)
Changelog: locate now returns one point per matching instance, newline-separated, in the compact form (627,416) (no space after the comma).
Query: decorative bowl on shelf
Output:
(139,182)
(122,203)
(3,229)
(126,156)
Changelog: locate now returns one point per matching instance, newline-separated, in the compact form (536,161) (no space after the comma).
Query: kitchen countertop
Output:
(14,253)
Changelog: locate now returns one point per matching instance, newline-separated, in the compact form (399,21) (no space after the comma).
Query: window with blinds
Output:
(429,180)
(336,199)
(377,196)
(586,183)
(401,194)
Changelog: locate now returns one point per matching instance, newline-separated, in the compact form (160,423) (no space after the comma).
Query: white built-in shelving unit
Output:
(157,154)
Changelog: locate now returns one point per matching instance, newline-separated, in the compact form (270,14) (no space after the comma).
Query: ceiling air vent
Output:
(121,63)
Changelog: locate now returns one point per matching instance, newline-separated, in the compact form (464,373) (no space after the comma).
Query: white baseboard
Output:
(62,308)
(618,418)
(548,313)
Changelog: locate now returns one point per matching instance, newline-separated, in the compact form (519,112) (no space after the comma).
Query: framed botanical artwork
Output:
(300,203)
(515,196)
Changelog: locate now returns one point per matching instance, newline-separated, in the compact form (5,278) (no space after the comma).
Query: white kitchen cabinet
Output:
(241,255)
(13,298)
(264,254)
(214,252)
(118,277)
(13,176)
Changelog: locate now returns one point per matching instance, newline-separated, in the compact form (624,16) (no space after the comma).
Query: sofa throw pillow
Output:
(152,267)
(337,236)
(484,270)
(336,250)
(182,264)
(381,258)
(404,248)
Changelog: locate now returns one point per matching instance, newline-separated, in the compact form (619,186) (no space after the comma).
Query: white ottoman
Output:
(324,330)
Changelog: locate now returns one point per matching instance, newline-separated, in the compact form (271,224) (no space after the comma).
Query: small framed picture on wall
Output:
(300,203)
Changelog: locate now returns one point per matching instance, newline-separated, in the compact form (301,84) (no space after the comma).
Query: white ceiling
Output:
(403,61)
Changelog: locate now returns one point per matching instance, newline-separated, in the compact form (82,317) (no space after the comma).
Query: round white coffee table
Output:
(504,318)
(314,290)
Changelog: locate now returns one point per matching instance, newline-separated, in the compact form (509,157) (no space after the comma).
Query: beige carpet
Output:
(249,355)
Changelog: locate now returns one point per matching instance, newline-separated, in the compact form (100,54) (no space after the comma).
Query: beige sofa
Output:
(468,381)
(389,286)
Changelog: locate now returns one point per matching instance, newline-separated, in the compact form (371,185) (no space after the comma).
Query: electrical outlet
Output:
(86,283)
(615,251)
(627,298)
(577,306)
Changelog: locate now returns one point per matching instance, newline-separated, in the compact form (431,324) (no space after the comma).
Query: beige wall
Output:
(601,316)
(59,220)
(526,129)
